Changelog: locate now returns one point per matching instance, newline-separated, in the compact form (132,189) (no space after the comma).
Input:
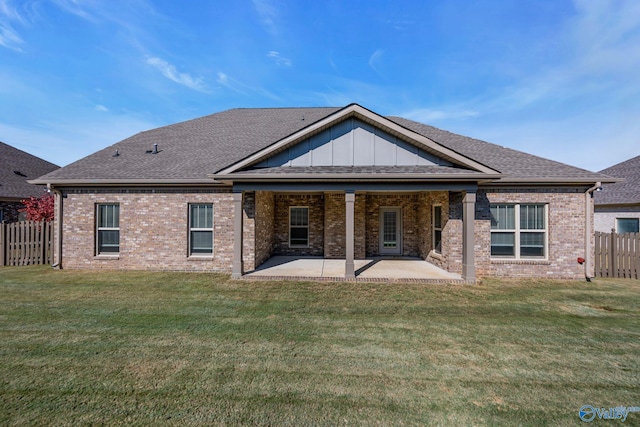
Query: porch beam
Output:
(468,236)
(237,270)
(354,186)
(349,268)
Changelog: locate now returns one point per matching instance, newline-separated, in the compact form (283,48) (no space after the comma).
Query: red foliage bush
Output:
(39,208)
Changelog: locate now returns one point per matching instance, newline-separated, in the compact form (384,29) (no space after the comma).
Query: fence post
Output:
(614,254)
(3,245)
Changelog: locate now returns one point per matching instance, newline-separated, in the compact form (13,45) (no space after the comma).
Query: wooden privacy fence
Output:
(26,243)
(617,255)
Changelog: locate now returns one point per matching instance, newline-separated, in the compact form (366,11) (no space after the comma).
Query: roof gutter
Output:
(297,177)
(121,182)
(58,234)
(588,233)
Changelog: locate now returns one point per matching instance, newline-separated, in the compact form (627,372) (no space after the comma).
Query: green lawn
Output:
(135,348)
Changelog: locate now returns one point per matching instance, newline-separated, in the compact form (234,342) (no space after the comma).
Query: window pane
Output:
(202,216)
(299,236)
(503,244)
(628,225)
(437,216)
(532,217)
(438,240)
(503,217)
(108,241)
(299,216)
(108,216)
(201,242)
(532,244)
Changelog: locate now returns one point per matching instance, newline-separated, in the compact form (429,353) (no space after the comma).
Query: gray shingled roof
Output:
(626,192)
(193,149)
(511,163)
(16,167)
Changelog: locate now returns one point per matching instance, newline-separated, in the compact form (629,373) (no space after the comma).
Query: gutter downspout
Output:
(588,231)
(58,234)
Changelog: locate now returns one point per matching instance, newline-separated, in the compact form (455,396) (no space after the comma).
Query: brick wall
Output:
(566,233)
(410,234)
(283,202)
(426,201)
(335,230)
(264,228)
(153,229)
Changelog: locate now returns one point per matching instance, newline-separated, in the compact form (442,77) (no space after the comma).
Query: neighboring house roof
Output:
(626,192)
(16,168)
(228,143)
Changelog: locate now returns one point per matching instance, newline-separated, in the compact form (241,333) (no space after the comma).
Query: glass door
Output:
(390,231)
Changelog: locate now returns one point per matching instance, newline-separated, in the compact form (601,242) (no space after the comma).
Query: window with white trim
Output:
(627,225)
(437,228)
(200,229)
(299,226)
(519,231)
(107,229)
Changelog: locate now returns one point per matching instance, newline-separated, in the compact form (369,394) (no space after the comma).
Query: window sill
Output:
(102,256)
(436,255)
(200,258)
(520,261)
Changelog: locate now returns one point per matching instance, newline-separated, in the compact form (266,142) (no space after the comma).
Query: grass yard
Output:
(139,348)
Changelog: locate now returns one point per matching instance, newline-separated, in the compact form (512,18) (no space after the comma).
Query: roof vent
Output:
(116,154)
(19,173)
(155,150)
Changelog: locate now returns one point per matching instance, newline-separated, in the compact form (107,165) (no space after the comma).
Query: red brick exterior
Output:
(154,228)
(315,203)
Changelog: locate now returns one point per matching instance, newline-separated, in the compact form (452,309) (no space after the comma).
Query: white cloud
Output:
(9,37)
(268,14)
(100,107)
(375,59)
(279,59)
(170,72)
(426,115)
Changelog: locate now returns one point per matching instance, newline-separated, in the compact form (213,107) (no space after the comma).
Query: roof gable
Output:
(352,142)
(394,137)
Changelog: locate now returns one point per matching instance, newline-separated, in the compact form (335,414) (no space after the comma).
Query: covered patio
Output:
(373,269)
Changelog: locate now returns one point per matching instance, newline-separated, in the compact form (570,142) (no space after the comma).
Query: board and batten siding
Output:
(353,143)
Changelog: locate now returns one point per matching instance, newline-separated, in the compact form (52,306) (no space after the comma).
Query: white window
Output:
(627,225)
(108,229)
(201,229)
(299,226)
(437,228)
(519,230)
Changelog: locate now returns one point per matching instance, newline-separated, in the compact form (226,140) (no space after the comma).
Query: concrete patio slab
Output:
(372,269)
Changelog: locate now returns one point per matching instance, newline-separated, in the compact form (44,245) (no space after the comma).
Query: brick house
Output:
(227,191)
(617,206)
(16,168)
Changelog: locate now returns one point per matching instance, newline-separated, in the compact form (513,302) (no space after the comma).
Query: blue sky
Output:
(556,78)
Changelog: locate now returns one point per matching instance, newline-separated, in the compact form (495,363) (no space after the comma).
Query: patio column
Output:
(237,271)
(349,268)
(468,236)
